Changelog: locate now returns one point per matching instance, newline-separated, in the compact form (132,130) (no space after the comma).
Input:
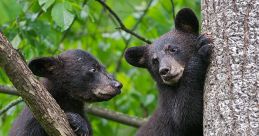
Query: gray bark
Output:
(43,106)
(231,98)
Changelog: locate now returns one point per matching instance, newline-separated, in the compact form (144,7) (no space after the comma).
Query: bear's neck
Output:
(69,104)
(65,101)
(168,96)
(178,102)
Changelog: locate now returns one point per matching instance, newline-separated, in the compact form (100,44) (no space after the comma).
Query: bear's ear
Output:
(43,67)
(136,56)
(187,21)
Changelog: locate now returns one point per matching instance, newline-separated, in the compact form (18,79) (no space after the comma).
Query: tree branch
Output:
(114,116)
(173,9)
(43,106)
(10,105)
(122,26)
(8,90)
(96,111)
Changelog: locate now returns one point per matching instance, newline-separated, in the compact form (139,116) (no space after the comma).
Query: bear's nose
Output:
(164,71)
(117,85)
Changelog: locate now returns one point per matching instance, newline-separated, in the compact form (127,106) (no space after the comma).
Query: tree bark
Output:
(231,97)
(43,106)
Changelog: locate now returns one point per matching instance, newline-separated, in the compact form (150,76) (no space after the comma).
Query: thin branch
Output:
(173,9)
(127,42)
(114,116)
(10,105)
(122,26)
(96,111)
(8,90)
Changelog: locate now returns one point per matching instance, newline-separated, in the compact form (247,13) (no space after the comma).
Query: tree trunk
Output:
(231,97)
(43,106)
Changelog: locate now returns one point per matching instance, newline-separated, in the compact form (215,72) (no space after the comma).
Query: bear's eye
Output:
(155,60)
(93,70)
(173,49)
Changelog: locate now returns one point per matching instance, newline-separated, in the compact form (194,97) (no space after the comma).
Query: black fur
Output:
(72,78)
(177,62)
(186,21)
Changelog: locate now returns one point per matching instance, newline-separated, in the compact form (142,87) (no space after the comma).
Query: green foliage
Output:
(48,27)
(61,14)
(45,4)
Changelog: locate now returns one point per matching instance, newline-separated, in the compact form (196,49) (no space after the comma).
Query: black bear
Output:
(72,78)
(177,61)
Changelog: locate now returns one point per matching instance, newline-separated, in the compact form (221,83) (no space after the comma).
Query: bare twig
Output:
(8,90)
(96,111)
(127,42)
(173,9)
(114,116)
(122,26)
(10,105)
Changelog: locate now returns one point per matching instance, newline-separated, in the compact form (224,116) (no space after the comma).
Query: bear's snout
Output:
(117,85)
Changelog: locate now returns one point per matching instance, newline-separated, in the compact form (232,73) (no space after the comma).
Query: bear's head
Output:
(78,74)
(167,56)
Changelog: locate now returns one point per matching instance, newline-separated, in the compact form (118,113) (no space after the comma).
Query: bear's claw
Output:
(204,47)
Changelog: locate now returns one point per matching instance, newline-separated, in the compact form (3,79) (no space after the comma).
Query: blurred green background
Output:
(49,27)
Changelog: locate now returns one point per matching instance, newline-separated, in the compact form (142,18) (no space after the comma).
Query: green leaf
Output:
(84,12)
(41,2)
(16,41)
(61,14)
(149,99)
(24,4)
(45,4)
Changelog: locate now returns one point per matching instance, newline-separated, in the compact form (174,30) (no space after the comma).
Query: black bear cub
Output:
(72,78)
(177,62)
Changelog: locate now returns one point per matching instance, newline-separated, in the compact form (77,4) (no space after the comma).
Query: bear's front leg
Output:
(197,66)
(78,124)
